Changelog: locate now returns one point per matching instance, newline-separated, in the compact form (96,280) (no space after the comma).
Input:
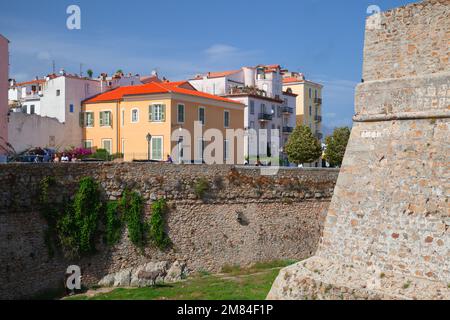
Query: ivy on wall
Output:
(156,224)
(74,225)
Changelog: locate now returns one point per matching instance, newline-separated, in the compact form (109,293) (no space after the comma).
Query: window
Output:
(201,115)
(310,92)
(71,108)
(107,145)
(157,148)
(226,119)
(157,113)
(180,114)
(180,149)
(58,93)
(252,124)
(252,107)
(105,119)
(89,116)
(32,111)
(278,111)
(315,93)
(201,150)
(226,150)
(134,115)
(87,144)
(310,111)
(263,108)
(122,120)
(317,111)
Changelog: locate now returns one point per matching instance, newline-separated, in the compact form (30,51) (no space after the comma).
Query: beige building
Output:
(139,122)
(309,100)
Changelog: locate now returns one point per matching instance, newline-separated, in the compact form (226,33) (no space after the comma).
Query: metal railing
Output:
(287,110)
(264,117)
(288,129)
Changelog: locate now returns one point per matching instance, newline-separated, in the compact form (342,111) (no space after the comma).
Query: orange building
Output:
(139,121)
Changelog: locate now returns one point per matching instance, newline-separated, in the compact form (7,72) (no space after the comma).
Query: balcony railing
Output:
(264,117)
(288,130)
(318,100)
(318,118)
(287,110)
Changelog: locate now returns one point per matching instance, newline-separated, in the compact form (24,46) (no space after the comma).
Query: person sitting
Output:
(169,159)
(65,158)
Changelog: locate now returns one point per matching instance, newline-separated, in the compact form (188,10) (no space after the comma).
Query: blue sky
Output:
(321,38)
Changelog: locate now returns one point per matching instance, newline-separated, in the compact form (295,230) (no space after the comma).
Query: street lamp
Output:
(149,140)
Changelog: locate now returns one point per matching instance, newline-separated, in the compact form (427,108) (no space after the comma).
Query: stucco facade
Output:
(308,102)
(4,71)
(131,124)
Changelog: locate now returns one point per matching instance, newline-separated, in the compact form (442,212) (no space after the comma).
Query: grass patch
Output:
(238,283)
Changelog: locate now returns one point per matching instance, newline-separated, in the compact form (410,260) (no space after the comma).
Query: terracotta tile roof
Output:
(292,79)
(30,82)
(153,88)
(220,74)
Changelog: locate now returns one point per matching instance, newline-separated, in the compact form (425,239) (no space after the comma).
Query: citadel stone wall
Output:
(283,214)
(387,232)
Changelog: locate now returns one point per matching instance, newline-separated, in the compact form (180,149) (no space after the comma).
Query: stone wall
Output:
(407,41)
(283,216)
(387,232)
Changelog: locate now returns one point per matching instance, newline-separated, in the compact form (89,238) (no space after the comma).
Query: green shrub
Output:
(201,187)
(101,154)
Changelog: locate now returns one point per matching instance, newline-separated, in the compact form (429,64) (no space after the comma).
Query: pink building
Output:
(4,69)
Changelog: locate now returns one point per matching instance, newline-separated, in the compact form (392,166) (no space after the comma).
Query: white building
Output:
(56,97)
(260,89)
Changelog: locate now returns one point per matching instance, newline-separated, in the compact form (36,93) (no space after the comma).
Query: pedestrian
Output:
(169,159)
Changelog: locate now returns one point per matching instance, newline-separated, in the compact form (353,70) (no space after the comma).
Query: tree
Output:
(302,146)
(336,145)
(90,73)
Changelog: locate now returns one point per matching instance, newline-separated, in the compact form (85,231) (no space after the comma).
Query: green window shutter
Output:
(92,123)
(101,118)
(109,118)
(82,119)
(150,113)
(163,112)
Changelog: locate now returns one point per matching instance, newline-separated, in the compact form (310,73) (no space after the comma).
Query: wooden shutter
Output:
(163,112)
(82,119)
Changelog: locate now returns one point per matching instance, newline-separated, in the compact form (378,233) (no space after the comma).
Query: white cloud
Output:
(226,54)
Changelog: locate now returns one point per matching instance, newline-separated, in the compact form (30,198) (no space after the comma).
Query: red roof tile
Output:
(30,82)
(153,88)
(292,79)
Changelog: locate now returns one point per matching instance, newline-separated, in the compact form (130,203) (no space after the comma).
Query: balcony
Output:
(287,110)
(319,135)
(264,117)
(318,118)
(318,101)
(287,130)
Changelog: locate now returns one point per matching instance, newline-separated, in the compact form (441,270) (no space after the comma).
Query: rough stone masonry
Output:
(387,232)
(244,218)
